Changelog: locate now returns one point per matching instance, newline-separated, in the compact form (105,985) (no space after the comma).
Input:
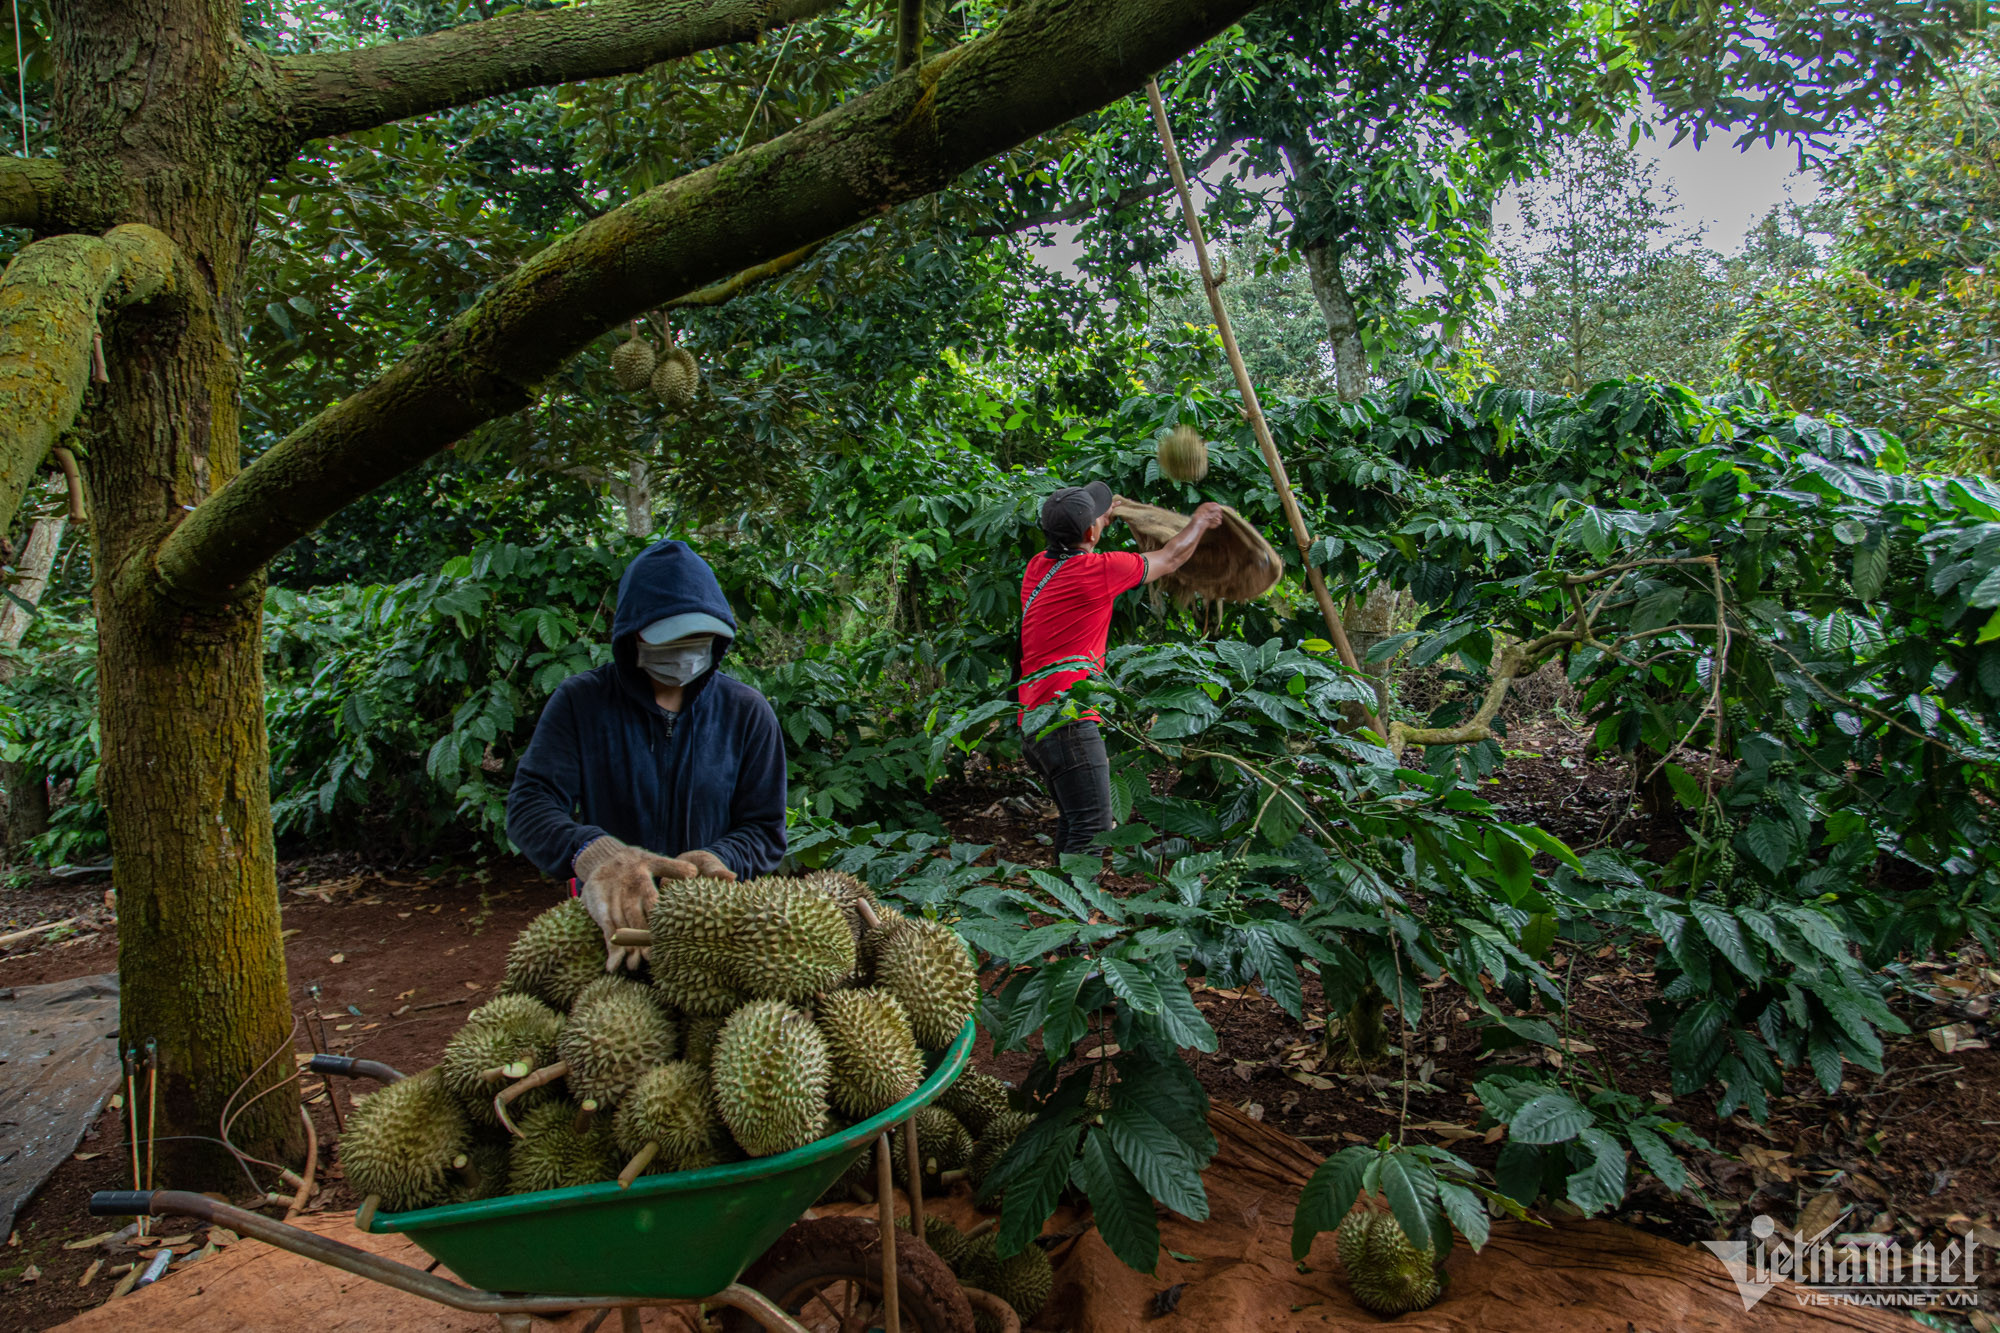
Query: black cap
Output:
(1068,514)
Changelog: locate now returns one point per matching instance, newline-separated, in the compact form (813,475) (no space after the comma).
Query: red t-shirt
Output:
(1072,616)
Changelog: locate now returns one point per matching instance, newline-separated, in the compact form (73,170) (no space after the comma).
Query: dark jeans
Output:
(1071,762)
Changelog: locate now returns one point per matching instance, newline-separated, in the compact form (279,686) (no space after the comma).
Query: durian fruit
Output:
(927,967)
(401,1141)
(515,1034)
(480,1172)
(946,1241)
(610,1042)
(1388,1274)
(790,942)
(698,1040)
(975,1099)
(770,1073)
(676,378)
(1001,1131)
(1183,454)
(610,984)
(671,1108)
(942,1143)
(632,363)
(876,940)
(874,1060)
(559,953)
(694,918)
(554,1153)
(1023,1280)
(848,893)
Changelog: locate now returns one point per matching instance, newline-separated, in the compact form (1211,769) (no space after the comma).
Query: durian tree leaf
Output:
(1132,984)
(1658,1157)
(1600,1183)
(1178,1020)
(1517,1173)
(1158,1159)
(1466,1212)
(1328,1196)
(1122,1207)
(1032,1173)
(1411,1189)
(1167,1090)
(1275,969)
(1553,1117)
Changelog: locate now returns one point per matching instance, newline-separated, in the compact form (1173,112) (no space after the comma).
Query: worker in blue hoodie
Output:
(655,765)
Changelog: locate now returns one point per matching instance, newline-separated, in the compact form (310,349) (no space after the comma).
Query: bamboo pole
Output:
(1251,408)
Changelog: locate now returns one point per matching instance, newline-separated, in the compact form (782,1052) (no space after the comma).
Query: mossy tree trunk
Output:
(168,126)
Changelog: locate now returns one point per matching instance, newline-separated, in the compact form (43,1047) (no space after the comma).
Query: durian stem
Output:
(983,1228)
(462,1167)
(949,1178)
(866,910)
(540,1078)
(518,1069)
(637,1166)
(365,1214)
(584,1115)
(628,938)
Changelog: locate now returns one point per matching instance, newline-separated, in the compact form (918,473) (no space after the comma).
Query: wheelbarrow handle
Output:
(415,1281)
(348,1067)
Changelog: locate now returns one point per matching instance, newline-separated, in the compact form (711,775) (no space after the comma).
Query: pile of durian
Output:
(770,1013)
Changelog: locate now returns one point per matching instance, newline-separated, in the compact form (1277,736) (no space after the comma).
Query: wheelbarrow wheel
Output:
(827,1274)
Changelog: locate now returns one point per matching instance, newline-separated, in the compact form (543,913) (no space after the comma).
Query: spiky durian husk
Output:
(1022,1280)
(400,1143)
(1183,454)
(698,1040)
(673,1106)
(559,953)
(520,1033)
(874,941)
(700,912)
(632,364)
(686,985)
(926,966)
(552,1154)
(676,378)
(975,1099)
(874,1059)
(611,983)
(484,1175)
(790,942)
(942,1143)
(1001,1131)
(847,893)
(611,1041)
(770,1074)
(946,1241)
(1387,1274)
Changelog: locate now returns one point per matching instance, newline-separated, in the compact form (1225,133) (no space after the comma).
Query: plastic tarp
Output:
(58,1062)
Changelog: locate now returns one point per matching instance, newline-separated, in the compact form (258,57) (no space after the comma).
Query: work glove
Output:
(708,865)
(619,891)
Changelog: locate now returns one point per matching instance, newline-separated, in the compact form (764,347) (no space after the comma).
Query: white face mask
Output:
(677,663)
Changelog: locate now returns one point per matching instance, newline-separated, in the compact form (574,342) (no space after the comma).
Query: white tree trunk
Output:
(31,580)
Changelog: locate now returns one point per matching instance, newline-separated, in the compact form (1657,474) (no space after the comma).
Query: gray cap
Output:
(1068,514)
(688,623)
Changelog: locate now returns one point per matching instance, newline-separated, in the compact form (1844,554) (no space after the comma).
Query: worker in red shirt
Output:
(1066,597)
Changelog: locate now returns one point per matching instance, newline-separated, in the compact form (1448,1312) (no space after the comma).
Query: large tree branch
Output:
(342,91)
(28,187)
(49,298)
(1047,62)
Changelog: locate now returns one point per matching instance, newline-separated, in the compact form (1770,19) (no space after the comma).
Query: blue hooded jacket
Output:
(606,759)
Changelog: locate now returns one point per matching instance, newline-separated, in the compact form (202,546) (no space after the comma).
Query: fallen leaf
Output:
(408,993)
(338,958)
(31,1274)
(1311,1080)
(342,1027)
(1254,1110)
(473,985)
(89,1241)
(84,1156)
(90,1273)
(402,916)
(1821,1211)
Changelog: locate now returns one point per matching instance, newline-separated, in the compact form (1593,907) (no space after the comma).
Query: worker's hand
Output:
(619,892)
(1208,515)
(1117,510)
(708,865)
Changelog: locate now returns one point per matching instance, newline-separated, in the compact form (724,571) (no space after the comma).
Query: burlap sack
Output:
(1233,563)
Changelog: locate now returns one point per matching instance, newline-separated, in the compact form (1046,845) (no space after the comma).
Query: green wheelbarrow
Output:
(729,1236)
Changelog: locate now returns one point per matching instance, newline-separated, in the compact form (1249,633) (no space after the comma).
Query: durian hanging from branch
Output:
(632,362)
(677,376)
